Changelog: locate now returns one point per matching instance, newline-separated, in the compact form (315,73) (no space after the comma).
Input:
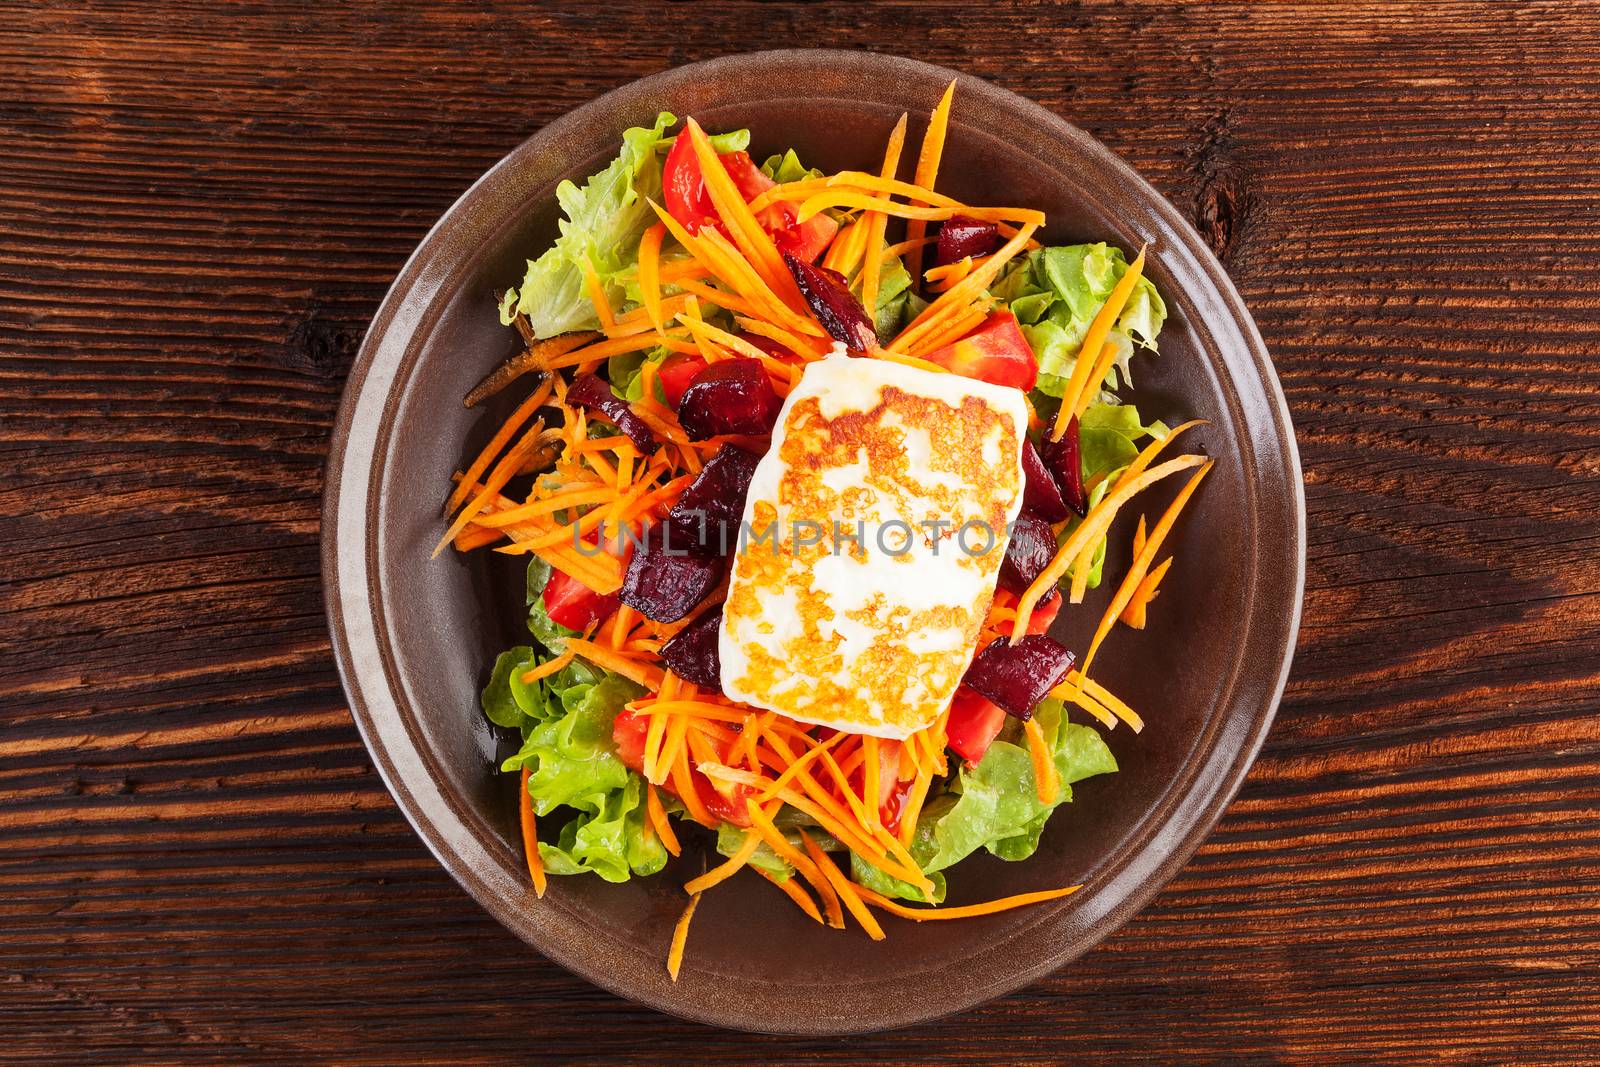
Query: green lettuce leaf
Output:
(604,220)
(500,705)
(572,763)
(787,168)
(1055,294)
(613,841)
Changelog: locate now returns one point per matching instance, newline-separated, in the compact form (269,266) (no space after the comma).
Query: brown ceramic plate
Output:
(415,639)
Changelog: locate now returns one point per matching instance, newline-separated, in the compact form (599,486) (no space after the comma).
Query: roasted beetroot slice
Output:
(1028,553)
(714,503)
(730,396)
(694,653)
(834,305)
(962,237)
(589,391)
(1061,459)
(1040,494)
(666,578)
(1018,676)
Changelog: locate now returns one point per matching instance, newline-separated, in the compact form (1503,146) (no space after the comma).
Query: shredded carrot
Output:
(1107,698)
(840,197)
(844,887)
(1135,614)
(660,822)
(932,324)
(507,430)
(530,837)
(968,911)
(545,506)
(792,890)
(502,473)
(802,864)
(1087,532)
(683,784)
(748,234)
(869,781)
(1071,691)
(546,669)
(680,937)
(872,267)
(1046,781)
(616,662)
(650,272)
(597,296)
(1138,537)
(1141,565)
(927,173)
(727,869)
(1099,328)
(475,537)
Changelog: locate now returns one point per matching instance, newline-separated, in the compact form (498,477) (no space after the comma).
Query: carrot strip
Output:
(967,911)
(1135,614)
(953,301)
(727,869)
(597,297)
(869,782)
(791,889)
(799,765)
(1099,328)
(1141,565)
(616,663)
(530,837)
(545,506)
(849,198)
(650,272)
(872,267)
(1046,781)
(844,887)
(799,861)
(1087,532)
(1071,691)
(1106,697)
(546,669)
(475,537)
(680,937)
(659,820)
(747,232)
(718,297)
(927,172)
(502,473)
(507,430)
(847,247)
(683,785)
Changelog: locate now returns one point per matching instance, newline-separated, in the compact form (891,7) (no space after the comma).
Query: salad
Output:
(764,408)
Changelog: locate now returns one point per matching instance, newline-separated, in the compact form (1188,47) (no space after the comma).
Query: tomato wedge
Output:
(574,605)
(996,352)
(627,735)
(974,724)
(684,188)
(677,371)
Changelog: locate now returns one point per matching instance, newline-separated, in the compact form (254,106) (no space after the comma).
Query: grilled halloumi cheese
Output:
(872,538)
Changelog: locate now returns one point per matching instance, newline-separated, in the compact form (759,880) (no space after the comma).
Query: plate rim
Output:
(348,571)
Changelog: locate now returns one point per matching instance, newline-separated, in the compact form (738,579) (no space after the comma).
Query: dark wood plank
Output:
(200,206)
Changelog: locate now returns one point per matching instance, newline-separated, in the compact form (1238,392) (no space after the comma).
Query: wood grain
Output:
(201,205)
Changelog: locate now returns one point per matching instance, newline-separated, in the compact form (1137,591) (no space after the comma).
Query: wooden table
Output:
(200,208)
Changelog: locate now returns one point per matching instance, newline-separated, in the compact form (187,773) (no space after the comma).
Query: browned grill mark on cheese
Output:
(968,447)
